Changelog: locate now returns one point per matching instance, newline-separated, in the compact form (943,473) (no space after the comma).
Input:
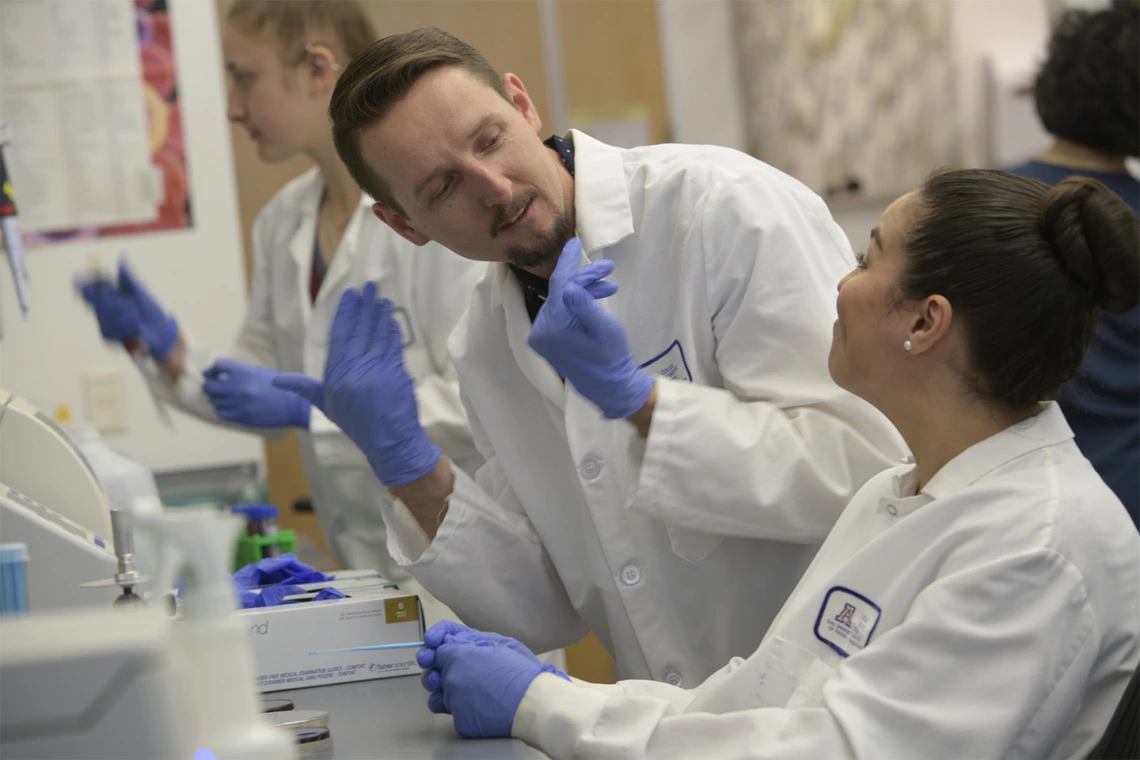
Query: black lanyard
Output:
(535,288)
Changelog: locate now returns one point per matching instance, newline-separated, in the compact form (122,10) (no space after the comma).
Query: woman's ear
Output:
(322,65)
(929,323)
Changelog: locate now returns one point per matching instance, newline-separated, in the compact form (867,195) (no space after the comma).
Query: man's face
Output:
(470,171)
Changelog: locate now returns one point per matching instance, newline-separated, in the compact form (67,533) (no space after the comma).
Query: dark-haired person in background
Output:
(981,602)
(1088,97)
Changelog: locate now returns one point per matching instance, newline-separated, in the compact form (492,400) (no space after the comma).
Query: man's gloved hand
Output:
(126,310)
(479,680)
(585,343)
(367,391)
(274,570)
(246,395)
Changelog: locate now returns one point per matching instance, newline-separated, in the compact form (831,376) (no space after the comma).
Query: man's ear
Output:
(517,94)
(397,222)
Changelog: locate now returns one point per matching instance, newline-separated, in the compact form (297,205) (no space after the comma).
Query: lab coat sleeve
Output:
(988,662)
(487,563)
(779,450)
(443,285)
(253,345)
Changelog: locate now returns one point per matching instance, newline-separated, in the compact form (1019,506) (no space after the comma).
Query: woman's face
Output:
(265,96)
(867,356)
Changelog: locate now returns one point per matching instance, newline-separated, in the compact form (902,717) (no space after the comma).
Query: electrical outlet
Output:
(106,400)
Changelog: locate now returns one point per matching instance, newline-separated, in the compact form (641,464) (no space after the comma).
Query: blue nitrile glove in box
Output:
(273,596)
(275,570)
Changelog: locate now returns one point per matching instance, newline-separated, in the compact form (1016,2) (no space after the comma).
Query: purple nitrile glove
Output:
(479,682)
(367,391)
(274,570)
(246,395)
(585,343)
(126,310)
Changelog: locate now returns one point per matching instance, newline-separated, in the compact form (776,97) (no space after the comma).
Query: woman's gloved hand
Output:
(478,678)
(246,395)
(126,310)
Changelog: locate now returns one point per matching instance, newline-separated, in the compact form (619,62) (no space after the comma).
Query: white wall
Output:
(982,26)
(196,274)
(702,81)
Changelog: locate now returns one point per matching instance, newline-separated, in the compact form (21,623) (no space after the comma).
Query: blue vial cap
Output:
(13,553)
(256,511)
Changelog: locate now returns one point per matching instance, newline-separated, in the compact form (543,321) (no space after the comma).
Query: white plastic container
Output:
(129,486)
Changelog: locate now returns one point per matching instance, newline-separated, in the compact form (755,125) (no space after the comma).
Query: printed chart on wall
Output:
(88,91)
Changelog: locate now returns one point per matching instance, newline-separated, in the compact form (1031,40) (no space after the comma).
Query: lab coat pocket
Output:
(692,545)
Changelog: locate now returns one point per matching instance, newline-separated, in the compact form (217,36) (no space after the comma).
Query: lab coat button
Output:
(892,509)
(673,678)
(630,575)
(590,468)
(908,459)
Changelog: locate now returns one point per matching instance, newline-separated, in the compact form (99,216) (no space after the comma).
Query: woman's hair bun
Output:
(1096,238)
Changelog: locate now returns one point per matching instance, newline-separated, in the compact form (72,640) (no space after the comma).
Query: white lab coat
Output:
(285,330)
(676,551)
(995,614)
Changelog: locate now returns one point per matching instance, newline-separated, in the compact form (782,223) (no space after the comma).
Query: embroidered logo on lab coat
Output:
(670,363)
(400,314)
(846,620)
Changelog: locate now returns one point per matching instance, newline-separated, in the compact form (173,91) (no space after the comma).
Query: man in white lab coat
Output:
(676,533)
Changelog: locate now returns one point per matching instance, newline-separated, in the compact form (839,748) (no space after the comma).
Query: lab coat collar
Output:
(1046,428)
(508,292)
(602,213)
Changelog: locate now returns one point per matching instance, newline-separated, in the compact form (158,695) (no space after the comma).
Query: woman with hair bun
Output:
(982,600)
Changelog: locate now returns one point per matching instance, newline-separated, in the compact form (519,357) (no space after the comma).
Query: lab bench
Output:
(388,719)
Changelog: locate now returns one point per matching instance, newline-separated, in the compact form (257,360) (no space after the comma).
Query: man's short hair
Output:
(382,75)
(1088,91)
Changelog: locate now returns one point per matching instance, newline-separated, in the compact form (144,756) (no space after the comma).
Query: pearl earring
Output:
(906,345)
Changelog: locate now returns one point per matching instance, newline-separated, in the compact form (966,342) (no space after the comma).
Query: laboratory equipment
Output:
(300,719)
(227,716)
(94,684)
(126,575)
(125,482)
(10,229)
(129,682)
(313,743)
(276,705)
(62,555)
(38,459)
(262,538)
(13,580)
(134,683)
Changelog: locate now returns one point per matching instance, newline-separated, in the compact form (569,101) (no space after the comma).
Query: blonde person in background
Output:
(313,240)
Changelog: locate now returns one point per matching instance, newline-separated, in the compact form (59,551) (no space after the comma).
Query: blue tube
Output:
(373,647)
(13,580)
